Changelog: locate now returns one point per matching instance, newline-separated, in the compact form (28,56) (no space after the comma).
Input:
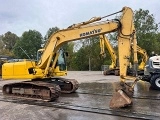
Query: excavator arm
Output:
(126,36)
(72,34)
(105,42)
(144,57)
(127,44)
(46,65)
(114,67)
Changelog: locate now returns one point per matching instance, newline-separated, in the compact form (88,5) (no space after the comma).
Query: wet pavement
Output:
(98,95)
(89,102)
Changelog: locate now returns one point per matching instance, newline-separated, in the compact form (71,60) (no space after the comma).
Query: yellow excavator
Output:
(144,56)
(114,67)
(43,83)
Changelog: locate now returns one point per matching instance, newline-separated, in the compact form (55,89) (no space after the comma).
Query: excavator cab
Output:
(60,67)
(58,63)
(61,61)
(39,54)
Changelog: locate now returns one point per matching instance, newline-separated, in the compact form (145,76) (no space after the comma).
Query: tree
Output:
(69,47)
(80,61)
(146,31)
(3,50)
(88,56)
(96,60)
(9,39)
(30,42)
(1,44)
(50,32)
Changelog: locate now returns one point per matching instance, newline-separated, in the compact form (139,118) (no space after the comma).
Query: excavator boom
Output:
(144,57)
(113,68)
(41,73)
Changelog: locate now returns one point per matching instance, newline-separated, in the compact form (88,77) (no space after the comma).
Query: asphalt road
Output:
(90,102)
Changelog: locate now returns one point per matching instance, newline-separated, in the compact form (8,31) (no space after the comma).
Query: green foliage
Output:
(3,51)
(80,61)
(1,44)
(9,39)
(30,42)
(68,47)
(89,53)
(146,31)
(50,32)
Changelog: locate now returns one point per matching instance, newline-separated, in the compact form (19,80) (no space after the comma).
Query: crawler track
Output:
(47,89)
(66,85)
(33,90)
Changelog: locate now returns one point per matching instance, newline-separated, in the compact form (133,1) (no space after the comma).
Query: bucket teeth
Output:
(119,100)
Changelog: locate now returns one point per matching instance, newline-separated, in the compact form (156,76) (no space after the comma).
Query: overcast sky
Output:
(18,16)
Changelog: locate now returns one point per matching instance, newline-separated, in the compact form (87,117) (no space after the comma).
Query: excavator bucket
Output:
(124,93)
(120,99)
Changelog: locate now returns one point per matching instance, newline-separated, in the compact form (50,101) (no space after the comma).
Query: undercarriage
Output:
(47,89)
